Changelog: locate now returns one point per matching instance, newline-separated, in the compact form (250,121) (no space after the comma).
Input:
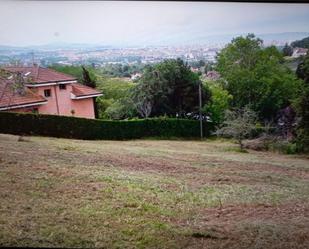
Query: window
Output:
(62,86)
(47,93)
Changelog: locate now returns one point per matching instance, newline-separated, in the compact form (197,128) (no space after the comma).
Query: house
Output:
(211,75)
(45,91)
(136,76)
(194,69)
(297,52)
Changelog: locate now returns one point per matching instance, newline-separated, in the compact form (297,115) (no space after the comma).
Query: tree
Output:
(208,67)
(256,76)
(75,71)
(147,91)
(287,50)
(238,124)
(303,126)
(302,70)
(304,43)
(121,109)
(169,88)
(114,90)
(302,106)
(219,102)
(87,80)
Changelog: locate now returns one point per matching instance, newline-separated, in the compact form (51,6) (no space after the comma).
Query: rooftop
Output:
(10,98)
(80,90)
(38,75)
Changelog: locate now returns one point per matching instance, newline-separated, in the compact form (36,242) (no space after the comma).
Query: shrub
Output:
(283,146)
(238,124)
(82,128)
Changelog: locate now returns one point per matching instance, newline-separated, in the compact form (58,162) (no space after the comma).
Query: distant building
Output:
(212,75)
(46,91)
(136,76)
(194,69)
(297,52)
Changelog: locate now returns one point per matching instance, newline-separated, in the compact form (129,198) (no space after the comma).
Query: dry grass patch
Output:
(150,194)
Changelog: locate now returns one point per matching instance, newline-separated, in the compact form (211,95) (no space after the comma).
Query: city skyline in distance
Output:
(147,23)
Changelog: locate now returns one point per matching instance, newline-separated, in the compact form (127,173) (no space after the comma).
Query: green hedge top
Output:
(82,128)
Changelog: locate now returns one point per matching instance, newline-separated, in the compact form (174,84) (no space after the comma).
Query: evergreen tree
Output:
(86,80)
(287,50)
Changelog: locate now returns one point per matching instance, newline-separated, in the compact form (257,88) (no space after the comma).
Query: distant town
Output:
(97,56)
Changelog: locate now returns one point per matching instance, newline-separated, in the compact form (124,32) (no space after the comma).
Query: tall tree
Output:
(302,106)
(219,102)
(287,50)
(256,76)
(87,80)
(170,88)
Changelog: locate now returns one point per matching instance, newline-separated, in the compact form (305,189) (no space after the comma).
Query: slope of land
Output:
(150,194)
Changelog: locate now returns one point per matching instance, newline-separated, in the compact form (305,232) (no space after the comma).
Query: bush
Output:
(272,143)
(82,128)
(284,147)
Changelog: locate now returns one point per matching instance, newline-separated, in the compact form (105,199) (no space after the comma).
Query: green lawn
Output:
(150,194)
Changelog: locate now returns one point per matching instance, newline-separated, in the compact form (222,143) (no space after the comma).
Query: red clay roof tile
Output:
(10,98)
(82,90)
(40,75)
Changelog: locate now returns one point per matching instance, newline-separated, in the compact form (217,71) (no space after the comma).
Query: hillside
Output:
(150,194)
(303,43)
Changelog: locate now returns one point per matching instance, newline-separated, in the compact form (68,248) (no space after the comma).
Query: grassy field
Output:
(150,194)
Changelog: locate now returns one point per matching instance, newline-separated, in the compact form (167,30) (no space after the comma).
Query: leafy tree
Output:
(121,109)
(219,102)
(302,70)
(287,50)
(87,80)
(302,107)
(147,91)
(304,43)
(238,124)
(256,76)
(114,90)
(169,88)
(208,67)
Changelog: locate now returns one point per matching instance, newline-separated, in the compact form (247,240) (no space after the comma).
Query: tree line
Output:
(255,85)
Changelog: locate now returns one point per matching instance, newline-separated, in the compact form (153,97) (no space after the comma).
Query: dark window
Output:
(47,93)
(62,86)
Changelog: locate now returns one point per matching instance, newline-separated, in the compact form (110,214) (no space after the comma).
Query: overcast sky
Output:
(44,22)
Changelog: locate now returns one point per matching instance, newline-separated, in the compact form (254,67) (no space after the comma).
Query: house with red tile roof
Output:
(45,91)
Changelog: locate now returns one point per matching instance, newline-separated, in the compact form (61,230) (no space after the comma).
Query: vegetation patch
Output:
(196,195)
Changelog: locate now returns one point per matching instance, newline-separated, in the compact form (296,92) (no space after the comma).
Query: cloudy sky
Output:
(102,22)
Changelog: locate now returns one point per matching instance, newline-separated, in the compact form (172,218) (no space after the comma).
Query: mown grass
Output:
(149,194)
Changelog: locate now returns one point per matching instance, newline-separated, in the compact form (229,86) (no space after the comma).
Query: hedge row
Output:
(81,128)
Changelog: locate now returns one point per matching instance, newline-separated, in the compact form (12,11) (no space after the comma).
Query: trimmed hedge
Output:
(82,128)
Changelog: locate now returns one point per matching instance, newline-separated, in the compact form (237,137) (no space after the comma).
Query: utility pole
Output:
(200,107)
